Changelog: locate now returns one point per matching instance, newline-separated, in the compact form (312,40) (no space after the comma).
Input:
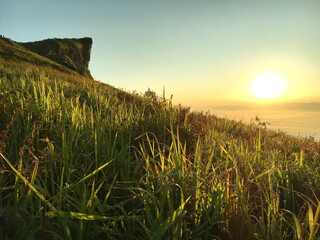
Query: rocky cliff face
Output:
(71,53)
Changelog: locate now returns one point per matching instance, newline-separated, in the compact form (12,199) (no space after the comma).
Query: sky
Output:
(202,52)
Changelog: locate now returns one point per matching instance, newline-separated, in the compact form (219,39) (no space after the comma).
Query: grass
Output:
(13,51)
(74,54)
(83,160)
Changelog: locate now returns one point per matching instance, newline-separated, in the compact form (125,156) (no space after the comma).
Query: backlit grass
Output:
(83,160)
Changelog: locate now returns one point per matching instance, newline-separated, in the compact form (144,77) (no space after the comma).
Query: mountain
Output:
(67,55)
(295,106)
(312,107)
(71,53)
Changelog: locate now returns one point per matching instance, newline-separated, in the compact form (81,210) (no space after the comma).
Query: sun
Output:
(268,85)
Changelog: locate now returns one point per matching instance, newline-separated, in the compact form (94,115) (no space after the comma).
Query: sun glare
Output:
(268,85)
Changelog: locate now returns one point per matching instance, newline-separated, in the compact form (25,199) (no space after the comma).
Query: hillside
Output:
(67,55)
(80,159)
(71,53)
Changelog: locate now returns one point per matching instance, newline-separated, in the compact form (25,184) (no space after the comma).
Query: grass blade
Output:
(27,183)
(165,225)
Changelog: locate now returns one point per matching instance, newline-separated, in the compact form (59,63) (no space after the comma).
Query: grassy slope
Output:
(82,160)
(71,53)
(12,51)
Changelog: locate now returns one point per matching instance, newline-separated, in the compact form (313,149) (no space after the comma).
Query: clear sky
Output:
(202,51)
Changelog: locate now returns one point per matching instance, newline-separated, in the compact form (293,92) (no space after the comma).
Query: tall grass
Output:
(82,160)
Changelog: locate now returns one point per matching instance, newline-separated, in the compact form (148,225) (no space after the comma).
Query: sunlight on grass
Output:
(81,159)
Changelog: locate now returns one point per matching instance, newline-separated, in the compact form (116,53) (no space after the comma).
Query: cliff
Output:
(73,54)
(11,51)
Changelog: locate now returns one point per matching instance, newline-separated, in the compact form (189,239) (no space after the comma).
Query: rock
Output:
(70,52)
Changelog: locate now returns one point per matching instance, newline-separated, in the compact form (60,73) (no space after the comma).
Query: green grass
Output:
(82,160)
(13,51)
(74,54)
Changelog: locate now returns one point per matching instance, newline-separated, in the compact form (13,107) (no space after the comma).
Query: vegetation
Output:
(74,54)
(13,51)
(82,160)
